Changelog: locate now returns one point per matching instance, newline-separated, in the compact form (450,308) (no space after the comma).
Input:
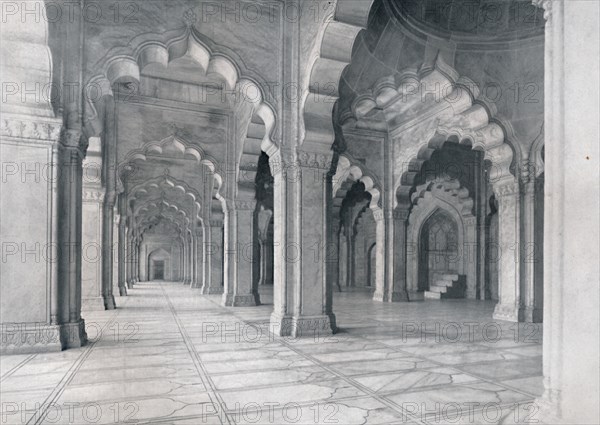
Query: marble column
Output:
(266,260)
(530,252)
(398,257)
(380,293)
(571,269)
(332,252)
(213,268)
(199,260)
(240,287)
(93,198)
(115,254)
(187,257)
(108,219)
(142,259)
(510,305)
(129,258)
(122,255)
(302,296)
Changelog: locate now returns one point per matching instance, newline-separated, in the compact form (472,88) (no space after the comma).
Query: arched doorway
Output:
(438,253)
(159,265)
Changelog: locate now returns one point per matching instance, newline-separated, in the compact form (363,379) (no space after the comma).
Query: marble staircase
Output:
(447,285)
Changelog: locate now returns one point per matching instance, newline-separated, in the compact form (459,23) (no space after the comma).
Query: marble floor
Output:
(170,355)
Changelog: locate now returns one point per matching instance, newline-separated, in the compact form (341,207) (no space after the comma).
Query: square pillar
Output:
(510,306)
(213,258)
(91,224)
(240,290)
(302,296)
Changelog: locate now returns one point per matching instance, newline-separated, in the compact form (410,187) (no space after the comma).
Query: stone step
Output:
(432,295)
(445,276)
(449,276)
(444,283)
(438,289)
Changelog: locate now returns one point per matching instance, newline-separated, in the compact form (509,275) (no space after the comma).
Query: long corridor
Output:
(171,355)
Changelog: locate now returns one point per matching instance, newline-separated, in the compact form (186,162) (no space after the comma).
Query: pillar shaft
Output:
(240,287)
(302,298)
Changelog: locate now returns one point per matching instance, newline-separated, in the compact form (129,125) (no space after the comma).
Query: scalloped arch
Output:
(350,170)
(213,65)
(160,148)
(172,185)
(331,56)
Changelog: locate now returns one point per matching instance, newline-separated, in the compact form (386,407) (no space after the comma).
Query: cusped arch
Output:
(351,170)
(153,189)
(172,145)
(219,66)
(332,54)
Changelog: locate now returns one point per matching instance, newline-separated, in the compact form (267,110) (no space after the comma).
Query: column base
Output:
(109,302)
(379,296)
(92,304)
(509,313)
(313,326)
(211,290)
(548,408)
(250,300)
(123,291)
(280,325)
(28,338)
(400,296)
(73,335)
(196,285)
(130,285)
(533,315)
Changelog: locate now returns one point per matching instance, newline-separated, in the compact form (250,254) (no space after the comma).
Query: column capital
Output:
(93,195)
(507,189)
(319,160)
(378,214)
(401,214)
(72,138)
(244,204)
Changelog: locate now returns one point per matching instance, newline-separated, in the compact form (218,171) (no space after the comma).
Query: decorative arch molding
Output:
(157,251)
(154,220)
(171,147)
(164,208)
(154,51)
(453,199)
(536,154)
(154,189)
(348,169)
(331,55)
(453,114)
